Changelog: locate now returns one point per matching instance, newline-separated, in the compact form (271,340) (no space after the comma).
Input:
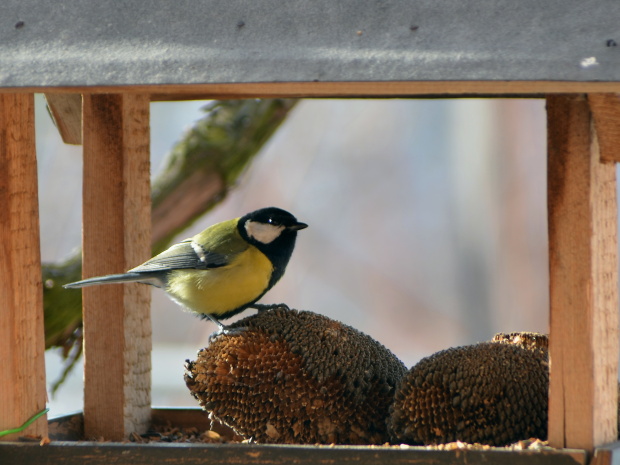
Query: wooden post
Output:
(606,114)
(116,237)
(22,340)
(583,280)
(66,111)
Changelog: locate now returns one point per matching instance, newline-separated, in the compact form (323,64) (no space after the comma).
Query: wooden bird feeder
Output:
(100,64)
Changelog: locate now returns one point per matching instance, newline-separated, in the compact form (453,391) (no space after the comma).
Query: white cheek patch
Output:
(263,232)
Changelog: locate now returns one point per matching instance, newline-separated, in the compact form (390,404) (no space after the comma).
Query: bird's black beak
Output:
(297,226)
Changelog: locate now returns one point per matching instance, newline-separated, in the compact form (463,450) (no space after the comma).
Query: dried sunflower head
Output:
(531,341)
(491,393)
(292,376)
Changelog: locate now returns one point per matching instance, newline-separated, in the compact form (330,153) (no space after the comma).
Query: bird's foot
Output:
(221,327)
(226,330)
(232,331)
(263,307)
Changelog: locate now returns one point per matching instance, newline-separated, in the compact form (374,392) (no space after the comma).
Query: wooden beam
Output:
(605,110)
(446,89)
(583,280)
(116,237)
(105,453)
(606,455)
(22,367)
(66,111)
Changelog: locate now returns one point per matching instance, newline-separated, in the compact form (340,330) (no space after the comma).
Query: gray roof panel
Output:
(88,42)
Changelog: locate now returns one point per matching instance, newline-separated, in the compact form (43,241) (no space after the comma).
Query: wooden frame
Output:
(583,278)
(583,137)
(71,452)
(21,290)
(390,89)
(116,236)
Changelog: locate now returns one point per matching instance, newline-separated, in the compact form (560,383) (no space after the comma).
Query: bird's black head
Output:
(273,231)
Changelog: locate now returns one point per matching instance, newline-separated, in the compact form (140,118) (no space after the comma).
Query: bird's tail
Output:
(109,279)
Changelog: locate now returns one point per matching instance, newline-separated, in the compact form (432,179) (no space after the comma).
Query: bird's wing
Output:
(184,255)
(194,254)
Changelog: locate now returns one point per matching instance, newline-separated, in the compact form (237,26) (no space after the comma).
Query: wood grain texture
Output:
(91,453)
(116,237)
(349,89)
(66,110)
(22,367)
(606,455)
(605,110)
(583,280)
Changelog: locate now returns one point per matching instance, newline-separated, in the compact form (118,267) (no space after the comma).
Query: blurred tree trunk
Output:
(199,172)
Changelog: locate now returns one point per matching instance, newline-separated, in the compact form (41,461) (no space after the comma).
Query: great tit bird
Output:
(222,270)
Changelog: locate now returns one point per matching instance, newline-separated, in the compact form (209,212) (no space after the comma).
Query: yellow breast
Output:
(220,290)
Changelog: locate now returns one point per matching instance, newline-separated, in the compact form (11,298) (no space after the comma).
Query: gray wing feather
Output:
(184,255)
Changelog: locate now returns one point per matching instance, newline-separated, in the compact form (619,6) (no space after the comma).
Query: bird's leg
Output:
(263,307)
(221,326)
(223,329)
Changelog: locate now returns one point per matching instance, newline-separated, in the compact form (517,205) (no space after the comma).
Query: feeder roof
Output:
(108,43)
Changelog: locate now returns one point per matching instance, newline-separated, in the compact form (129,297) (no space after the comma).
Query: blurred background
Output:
(427,223)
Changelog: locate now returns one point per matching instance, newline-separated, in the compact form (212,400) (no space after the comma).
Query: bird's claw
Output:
(263,307)
(226,330)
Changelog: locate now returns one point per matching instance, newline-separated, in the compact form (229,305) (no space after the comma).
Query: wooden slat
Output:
(67,453)
(22,364)
(606,114)
(583,280)
(116,237)
(165,92)
(66,110)
(609,454)
(188,417)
